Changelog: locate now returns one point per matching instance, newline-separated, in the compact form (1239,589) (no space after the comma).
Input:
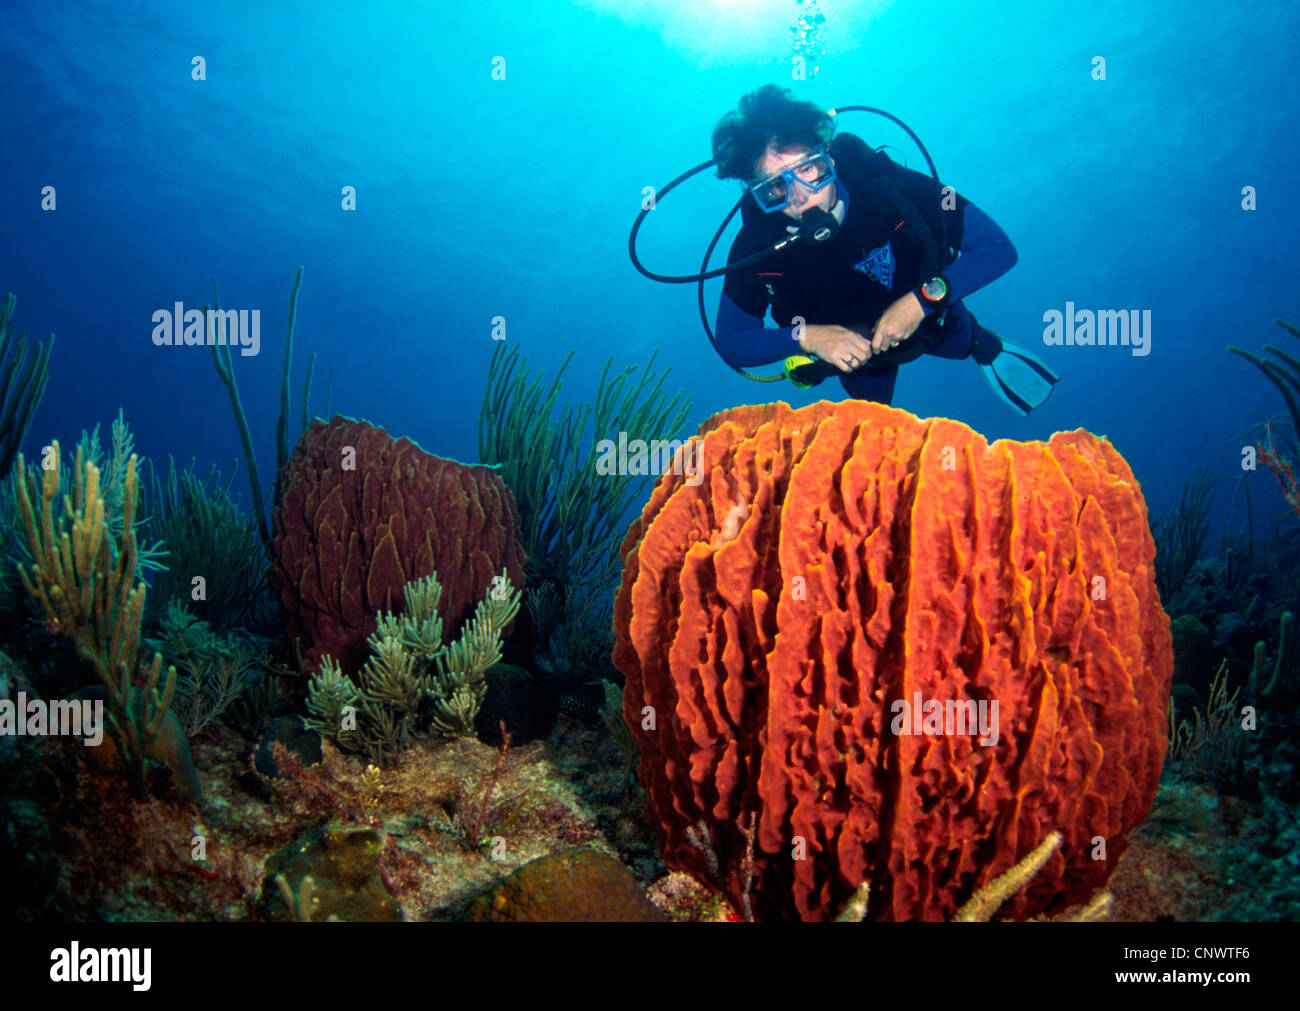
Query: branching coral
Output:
(987,900)
(1180,533)
(1211,746)
(22,382)
(223,362)
(476,815)
(215,670)
(85,581)
(570,513)
(410,665)
(301,903)
(112,467)
(1281,469)
(216,562)
(1270,691)
(1283,371)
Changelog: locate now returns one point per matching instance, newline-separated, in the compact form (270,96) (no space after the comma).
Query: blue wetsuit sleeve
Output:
(743,340)
(986,254)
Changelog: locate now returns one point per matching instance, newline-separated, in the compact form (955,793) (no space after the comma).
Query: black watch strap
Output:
(934,292)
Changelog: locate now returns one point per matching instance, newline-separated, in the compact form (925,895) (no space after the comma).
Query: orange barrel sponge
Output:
(865,647)
(361,514)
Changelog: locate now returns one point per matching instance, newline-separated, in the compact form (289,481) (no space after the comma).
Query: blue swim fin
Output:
(1014,373)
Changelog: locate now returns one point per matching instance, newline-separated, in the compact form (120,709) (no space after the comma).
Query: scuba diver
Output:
(880,279)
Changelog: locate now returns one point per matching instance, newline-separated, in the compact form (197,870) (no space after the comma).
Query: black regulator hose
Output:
(945,258)
(705,274)
(699,294)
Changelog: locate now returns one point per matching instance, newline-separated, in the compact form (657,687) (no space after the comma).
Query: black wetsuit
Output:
(887,244)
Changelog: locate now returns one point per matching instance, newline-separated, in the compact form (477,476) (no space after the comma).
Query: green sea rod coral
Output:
(1181,532)
(572,512)
(412,679)
(112,467)
(22,382)
(223,363)
(1271,690)
(216,565)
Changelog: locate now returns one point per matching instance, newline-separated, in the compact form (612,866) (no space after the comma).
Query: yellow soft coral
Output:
(85,584)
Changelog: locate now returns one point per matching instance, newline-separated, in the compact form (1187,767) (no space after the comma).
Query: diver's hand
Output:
(897,324)
(844,348)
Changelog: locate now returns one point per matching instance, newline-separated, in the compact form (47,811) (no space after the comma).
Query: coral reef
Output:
(611,714)
(216,562)
(991,897)
(1283,371)
(1210,857)
(571,508)
(1271,689)
(843,560)
(213,670)
(478,810)
(411,670)
(1193,648)
(22,382)
(1180,534)
(332,873)
(1210,746)
(361,514)
(170,752)
(1220,612)
(85,581)
(291,735)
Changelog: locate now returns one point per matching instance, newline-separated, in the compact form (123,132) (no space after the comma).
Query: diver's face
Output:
(776,160)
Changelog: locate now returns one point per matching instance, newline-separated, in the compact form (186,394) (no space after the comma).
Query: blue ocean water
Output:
(481,195)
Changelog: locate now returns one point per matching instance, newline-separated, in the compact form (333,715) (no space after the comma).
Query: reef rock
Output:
(575,885)
(347,881)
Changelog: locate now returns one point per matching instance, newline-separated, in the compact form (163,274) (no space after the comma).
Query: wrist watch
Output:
(934,292)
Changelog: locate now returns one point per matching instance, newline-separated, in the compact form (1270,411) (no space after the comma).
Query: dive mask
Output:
(815,173)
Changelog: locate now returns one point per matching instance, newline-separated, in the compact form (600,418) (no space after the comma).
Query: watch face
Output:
(934,289)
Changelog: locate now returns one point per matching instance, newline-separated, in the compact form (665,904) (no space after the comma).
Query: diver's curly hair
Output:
(766,116)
